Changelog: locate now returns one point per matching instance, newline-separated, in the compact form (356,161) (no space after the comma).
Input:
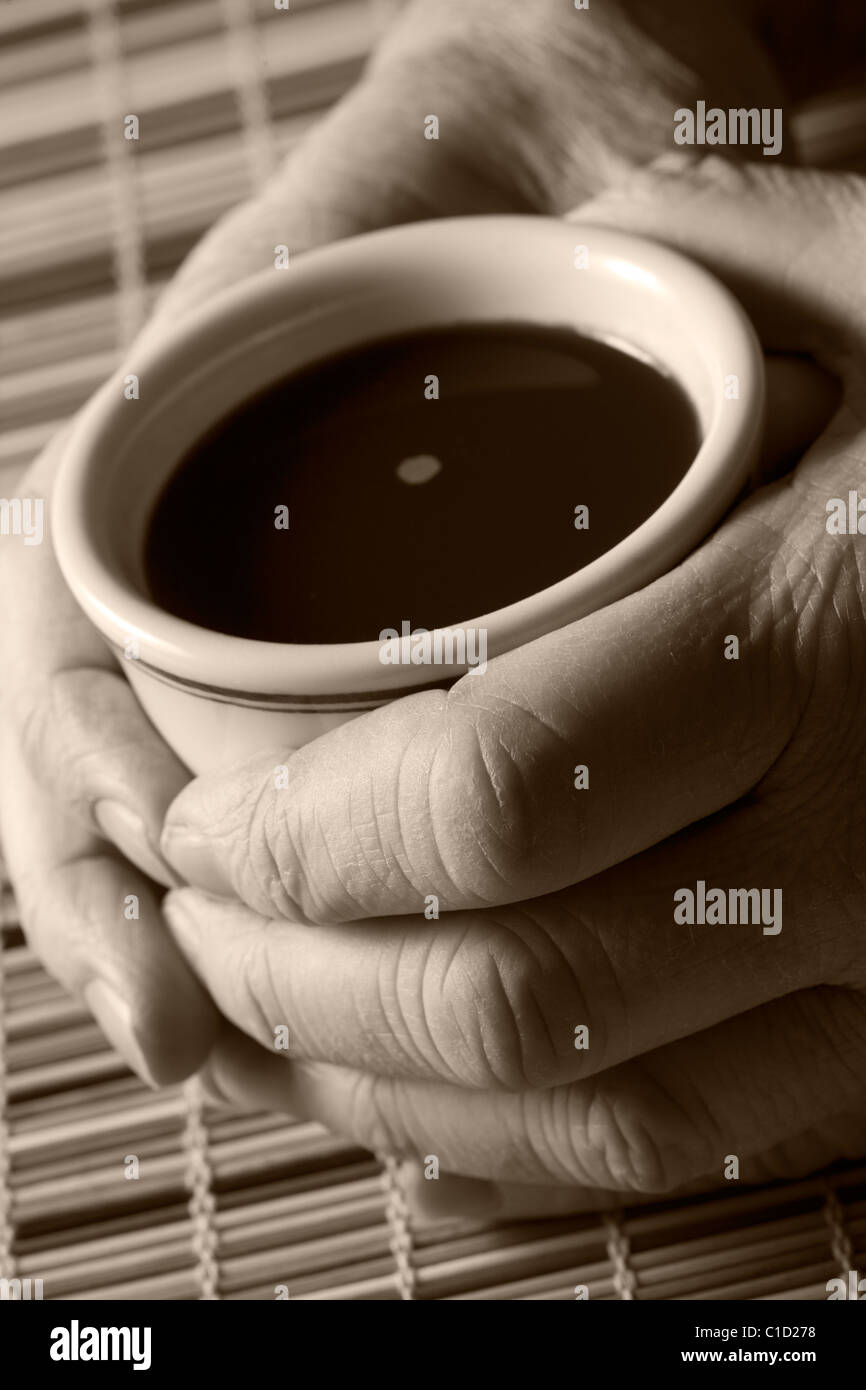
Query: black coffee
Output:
(407,507)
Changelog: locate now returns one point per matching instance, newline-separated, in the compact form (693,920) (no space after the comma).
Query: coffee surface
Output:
(407,507)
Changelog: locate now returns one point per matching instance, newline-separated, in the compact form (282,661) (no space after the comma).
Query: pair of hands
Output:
(456,1037)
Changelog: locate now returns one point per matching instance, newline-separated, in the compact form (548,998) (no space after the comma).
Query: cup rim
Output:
(323,675)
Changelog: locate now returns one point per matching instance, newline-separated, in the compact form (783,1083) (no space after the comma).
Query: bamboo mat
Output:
(232,1206)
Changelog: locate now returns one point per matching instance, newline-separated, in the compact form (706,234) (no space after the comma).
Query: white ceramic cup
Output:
(217,698)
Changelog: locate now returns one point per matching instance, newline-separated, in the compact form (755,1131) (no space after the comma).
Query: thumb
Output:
(788,242)
(470,798)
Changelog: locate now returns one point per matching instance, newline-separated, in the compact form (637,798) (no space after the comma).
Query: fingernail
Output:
(194,859)
(127,831)
(114,1017)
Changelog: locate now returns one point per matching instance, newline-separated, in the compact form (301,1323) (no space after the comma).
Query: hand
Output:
(85,778)
(456,1038)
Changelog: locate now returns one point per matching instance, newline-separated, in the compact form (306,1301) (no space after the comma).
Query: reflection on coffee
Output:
(431,478)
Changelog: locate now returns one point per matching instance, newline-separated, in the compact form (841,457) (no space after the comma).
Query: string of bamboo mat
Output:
(228,1205)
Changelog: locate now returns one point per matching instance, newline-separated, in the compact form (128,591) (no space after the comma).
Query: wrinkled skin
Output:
(456,1037)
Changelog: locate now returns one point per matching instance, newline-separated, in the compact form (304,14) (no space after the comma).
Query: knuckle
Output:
(479,1014)
(251,830)
(372,1114)
(252,994)
(637,1138)
(297,861)
(63,732)
(356,827)
(32,714)
(263,856)
(480,805)
(407,1027)
(506,994)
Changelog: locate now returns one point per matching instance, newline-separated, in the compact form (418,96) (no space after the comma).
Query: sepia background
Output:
(226,1205)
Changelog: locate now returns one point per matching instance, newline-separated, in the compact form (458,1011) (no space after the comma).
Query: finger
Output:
(95,923)
(675,1118)
(802,399)
(240,1074)
(435,1197)
(541,993)
(83,735)
(453,1197)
